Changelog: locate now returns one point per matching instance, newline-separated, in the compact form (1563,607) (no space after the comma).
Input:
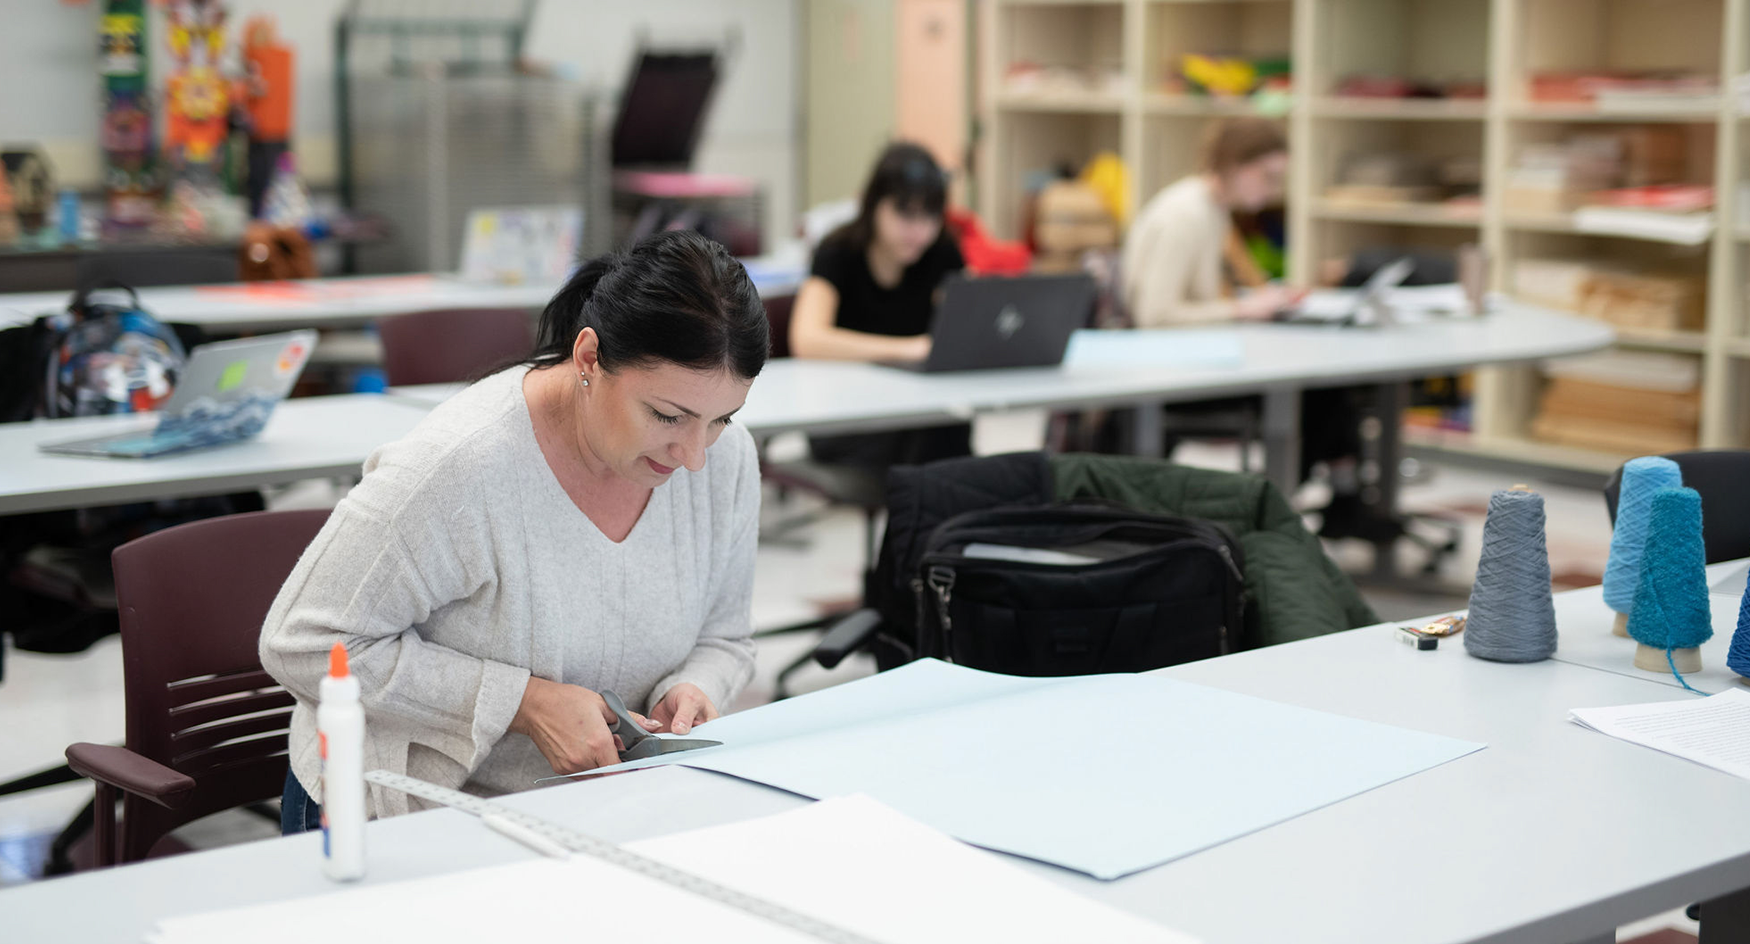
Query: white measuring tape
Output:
(522,826)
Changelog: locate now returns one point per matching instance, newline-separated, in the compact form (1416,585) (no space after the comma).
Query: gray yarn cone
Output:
(1512,612)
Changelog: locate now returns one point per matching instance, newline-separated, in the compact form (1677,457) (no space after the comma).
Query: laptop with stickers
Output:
(226,392)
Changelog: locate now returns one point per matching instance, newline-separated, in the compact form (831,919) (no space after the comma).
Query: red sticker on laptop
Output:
(290,358)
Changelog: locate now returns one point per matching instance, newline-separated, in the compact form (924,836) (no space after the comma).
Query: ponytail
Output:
(559,325)
(675,297)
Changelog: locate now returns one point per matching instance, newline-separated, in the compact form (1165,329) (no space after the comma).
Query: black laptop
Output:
(1005,321)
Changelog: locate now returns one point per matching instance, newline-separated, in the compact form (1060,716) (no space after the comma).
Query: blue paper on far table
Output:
(1103,774)
(1175,347)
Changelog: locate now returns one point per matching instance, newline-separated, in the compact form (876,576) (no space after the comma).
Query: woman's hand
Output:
(683,707)
(569,725)
(917,349)
(1262,304)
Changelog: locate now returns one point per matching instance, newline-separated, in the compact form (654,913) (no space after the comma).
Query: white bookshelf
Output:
(1498,42)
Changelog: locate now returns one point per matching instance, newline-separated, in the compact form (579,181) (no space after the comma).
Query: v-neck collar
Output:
(556,491)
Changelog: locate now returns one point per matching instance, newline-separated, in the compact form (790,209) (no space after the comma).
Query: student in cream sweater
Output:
(1181,262)
(1175,264)
(583,521)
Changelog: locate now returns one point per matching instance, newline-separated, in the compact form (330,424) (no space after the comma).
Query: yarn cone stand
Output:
(1619,627)
(1687,661)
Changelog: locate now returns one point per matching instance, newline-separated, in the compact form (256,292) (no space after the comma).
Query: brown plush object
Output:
(271,252)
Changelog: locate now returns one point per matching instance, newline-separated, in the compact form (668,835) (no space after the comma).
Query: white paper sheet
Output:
(1684,229)
(545,900)
(850,862)
(868,869)
(1712,731)
(1103,774)
(1408,303)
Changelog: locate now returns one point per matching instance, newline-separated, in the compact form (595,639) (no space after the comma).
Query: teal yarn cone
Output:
(1670,609)
(1640,479)
(1512,613)
(1738,657)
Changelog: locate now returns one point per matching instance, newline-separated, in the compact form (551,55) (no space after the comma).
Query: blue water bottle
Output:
(69,215)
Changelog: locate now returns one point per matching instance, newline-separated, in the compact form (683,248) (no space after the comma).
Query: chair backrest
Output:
(778,311)
(1719,475)
(192,600)
(453,344)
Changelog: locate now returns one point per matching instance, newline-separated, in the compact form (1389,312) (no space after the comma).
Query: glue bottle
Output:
(340,727)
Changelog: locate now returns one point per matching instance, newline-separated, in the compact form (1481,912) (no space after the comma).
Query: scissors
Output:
(641,743)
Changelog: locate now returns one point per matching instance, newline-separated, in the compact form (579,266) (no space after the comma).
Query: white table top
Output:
(1144,366)
(343,302)
(336,302)
(1552,834)
(814,396)
(309,437)
(1584,638)
(1112,368)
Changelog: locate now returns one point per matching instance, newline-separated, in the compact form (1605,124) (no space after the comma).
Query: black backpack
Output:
(1077,589)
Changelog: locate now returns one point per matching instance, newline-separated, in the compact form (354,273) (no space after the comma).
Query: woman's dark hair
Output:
(676,297)
(908,175)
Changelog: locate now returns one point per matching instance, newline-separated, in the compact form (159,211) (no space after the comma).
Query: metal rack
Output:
(439,113)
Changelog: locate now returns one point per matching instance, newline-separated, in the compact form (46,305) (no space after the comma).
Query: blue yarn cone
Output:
(1671,605)
(1512,613)
(1640,479)
(1738,657)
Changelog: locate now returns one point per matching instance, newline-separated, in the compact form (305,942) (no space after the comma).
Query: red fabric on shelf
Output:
(985,255)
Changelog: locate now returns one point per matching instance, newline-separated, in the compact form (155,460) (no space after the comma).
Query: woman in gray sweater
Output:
(583,521)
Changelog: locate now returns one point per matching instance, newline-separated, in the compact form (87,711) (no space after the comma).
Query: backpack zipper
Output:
(1227,556)
(942,582)
(1240,591)
(920,614)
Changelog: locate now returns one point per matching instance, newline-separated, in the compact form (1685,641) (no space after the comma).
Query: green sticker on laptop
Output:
(233,375)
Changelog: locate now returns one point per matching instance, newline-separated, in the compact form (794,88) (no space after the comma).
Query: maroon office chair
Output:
(206,726)
(862,488)
(779,308)
(453,344)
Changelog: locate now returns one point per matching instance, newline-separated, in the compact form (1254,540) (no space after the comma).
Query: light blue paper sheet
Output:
(1175,347)
(1039,768)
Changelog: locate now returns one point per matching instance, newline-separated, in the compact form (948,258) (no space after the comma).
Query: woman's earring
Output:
(584,377)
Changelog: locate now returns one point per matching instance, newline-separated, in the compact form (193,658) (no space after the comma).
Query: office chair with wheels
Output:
(1719,475)
(838,484)
(206,726)
(450,345)
(860,487)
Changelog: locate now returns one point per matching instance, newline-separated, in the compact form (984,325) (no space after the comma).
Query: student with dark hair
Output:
(583,521)
(871,295)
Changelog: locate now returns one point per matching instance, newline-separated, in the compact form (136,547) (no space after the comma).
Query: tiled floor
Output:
(47,702)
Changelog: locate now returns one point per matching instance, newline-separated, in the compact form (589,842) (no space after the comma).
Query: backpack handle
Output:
(82,298)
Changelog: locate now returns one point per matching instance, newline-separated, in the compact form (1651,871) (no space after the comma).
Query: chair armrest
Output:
(846,636)
(126,770)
